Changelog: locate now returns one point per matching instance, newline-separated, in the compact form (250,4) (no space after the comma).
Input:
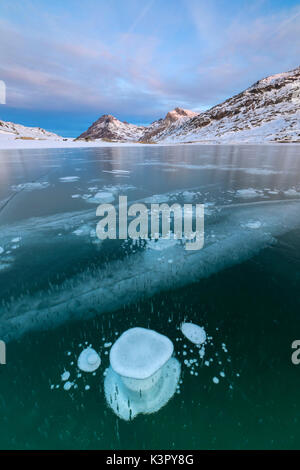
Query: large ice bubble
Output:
(139,353)
(142,376)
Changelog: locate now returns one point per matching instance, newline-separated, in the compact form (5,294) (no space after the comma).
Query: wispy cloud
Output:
(138,61)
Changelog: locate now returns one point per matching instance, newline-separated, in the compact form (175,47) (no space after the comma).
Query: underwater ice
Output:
(142,376)
(141,274)
(196,334)
(89,360)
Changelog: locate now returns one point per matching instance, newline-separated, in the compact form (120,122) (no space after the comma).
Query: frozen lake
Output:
(62,289)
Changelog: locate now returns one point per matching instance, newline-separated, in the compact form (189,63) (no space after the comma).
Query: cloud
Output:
(141,61)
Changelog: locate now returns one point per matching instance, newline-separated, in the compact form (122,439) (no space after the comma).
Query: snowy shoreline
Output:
(10,142)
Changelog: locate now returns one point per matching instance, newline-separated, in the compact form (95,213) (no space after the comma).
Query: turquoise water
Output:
(62,289)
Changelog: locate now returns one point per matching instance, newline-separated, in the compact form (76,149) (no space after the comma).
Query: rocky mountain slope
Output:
(268,111)
(23,132)
(108,127)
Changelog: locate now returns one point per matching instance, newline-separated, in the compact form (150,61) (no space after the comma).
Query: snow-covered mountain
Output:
(108,127)
(173,120)
(268,111)
(18,131)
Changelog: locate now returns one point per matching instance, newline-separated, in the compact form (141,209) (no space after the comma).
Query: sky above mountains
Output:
(66,63)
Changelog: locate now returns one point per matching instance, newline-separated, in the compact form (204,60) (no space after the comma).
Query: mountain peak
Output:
(108,127)
(179,113)
(269,110)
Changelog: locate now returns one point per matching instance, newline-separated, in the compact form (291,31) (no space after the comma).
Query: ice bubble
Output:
(68,385)
(142,376)
(68,179)
(247,193)
(196,334)
(161,244)
(65,376)
(1,250)
(253,225)
(102,197)
(128,403)
(291,192)
(202,352)
(16,239)
(138,353)
(89,360)
(83,230)
(216,380)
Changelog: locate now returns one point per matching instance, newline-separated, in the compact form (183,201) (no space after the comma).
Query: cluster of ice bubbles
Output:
(143,374)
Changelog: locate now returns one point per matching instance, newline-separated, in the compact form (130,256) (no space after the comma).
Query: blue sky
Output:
(65,63)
